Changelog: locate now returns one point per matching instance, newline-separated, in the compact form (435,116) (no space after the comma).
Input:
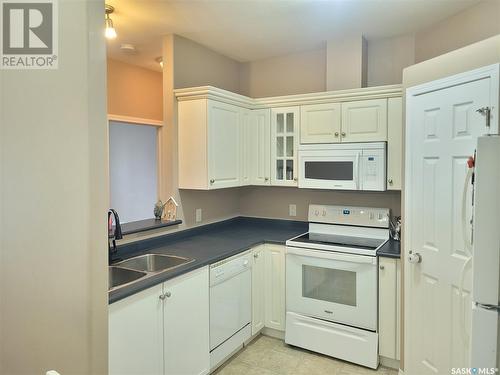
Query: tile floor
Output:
(270,356)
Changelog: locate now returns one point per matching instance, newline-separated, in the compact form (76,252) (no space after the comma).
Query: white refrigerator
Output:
(486,255)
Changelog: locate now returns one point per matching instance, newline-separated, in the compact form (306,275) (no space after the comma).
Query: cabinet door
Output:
(258,289)
(260,123)
(364,121)
(320,123)
(387,314)
(186,328)
(136,334)
(275,287)
(284,145)
(394,142)
(245,146)
(223,145)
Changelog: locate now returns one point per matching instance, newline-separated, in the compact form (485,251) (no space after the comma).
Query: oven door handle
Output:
(330,255)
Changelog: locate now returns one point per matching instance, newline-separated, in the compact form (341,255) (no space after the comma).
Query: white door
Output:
(284,145)
(136,334)
(260,154)
(223,145)
(186,322)
(246,156)
(442,128)
(364,121)
(258,289)
(275,287)
(320,123)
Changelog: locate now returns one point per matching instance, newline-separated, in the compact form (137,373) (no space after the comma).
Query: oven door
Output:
(320,169)
(332,286)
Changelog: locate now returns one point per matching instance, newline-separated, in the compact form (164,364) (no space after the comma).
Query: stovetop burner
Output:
(338,240)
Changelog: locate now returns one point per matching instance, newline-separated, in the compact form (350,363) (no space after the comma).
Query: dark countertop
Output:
(207,244)
(391,249)
(210,243)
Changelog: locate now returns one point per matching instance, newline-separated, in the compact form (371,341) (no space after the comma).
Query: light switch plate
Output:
(292,210)
(198,215)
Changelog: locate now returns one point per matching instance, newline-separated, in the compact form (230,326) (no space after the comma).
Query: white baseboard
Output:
(389,362)
(273,333)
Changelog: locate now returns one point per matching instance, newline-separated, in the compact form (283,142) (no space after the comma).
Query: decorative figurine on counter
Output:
(158,210)
(171,209)
(168,209)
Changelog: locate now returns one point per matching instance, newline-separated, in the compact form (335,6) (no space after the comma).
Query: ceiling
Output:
(248,30)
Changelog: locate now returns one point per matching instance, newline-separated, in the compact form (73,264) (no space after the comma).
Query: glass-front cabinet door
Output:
(284,145)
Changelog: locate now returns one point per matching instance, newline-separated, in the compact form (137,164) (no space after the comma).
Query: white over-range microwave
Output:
(343,166)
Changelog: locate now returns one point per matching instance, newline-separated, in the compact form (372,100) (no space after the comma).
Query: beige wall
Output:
(295,73)
(471,25)
(346,62)
(53,261)
(388,57)
(272,202)
(134,91)
(196,65)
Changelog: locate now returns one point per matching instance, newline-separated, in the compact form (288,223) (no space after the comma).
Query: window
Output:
(133,160)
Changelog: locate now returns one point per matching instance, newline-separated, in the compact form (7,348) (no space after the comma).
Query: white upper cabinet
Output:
(260,155)
(245,146)
(209,144)
(394,143)
(284,145)
(364,121)
(223,145)
(320,123)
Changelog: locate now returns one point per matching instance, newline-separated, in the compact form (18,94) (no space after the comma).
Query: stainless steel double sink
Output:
(130,270)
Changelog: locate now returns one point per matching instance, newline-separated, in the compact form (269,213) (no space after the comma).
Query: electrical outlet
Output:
(198,215)
(292,210)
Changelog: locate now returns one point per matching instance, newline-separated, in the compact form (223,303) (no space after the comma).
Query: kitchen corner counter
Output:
(391,249)
(206,244)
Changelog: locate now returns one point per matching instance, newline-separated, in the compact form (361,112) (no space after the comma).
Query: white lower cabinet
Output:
(136,334)
(274,289)
(153,336)
(268,288)
(389,312)
(258,288)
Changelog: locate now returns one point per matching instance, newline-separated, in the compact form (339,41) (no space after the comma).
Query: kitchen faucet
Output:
(115,235)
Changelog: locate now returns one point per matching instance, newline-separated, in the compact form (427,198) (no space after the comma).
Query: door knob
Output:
(415,258)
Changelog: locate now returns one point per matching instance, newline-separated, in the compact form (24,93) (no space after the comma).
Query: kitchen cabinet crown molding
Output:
(210,92)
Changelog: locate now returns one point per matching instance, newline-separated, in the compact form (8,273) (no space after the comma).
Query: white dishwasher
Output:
(230,306)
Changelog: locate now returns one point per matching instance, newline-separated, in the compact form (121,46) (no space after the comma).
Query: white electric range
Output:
(332,282)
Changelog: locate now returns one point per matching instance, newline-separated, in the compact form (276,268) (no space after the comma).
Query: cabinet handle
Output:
(381,267)
(389,181)
(162,296)
(212,181)
(336,134)
(266,178)
(295,179)
(168,294)
(256,255)
(343,134)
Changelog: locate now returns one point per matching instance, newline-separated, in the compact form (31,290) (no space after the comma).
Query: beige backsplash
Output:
(272,202)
